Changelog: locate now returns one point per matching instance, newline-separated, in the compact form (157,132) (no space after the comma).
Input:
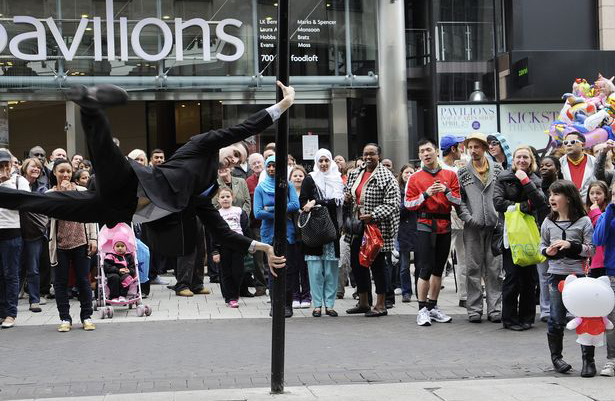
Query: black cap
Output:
(5,156)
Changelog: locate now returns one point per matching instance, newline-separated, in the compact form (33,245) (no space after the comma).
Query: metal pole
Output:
(278,300)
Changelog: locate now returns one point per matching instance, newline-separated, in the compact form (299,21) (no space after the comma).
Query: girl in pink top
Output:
(598,197)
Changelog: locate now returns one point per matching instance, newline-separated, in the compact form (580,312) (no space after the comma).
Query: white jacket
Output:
(10,218)
(588,175)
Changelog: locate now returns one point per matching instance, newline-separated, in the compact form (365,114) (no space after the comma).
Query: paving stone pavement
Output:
(167,306)
(197,344)
(547,388)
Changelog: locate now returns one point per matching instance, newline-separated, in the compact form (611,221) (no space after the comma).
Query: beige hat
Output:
(479,137)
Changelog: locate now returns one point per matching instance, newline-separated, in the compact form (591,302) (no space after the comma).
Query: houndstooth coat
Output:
(380,197)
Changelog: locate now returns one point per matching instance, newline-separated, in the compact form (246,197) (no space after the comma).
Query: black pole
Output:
(278,300)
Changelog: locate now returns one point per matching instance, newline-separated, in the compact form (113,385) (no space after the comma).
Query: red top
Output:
(441,203)
(591,325)
(364,179)
(577,172)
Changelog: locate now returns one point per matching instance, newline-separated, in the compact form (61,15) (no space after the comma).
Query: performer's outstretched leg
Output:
(80,206)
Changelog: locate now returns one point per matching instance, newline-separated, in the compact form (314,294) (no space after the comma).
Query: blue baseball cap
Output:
(448,141)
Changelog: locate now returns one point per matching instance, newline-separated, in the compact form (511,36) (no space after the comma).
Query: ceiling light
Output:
(165,17)
(84,16)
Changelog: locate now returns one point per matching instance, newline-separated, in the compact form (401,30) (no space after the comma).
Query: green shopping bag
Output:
(523,237)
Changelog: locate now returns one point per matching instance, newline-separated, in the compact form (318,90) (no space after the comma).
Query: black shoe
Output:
(171,287)
(214,280)
(475,319)
(495,319)
(246,294)
(288,311)
(527,326)
(317,312)
(406,298)
(462,303)
(589,365)
(555,346)
(97,97)
(340,295)
(376,313)
(544,319)
(331,312)
(357,309)
(389,304)
(260,291)
(513,327)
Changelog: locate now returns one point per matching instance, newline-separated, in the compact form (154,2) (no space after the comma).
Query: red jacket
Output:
(438,204)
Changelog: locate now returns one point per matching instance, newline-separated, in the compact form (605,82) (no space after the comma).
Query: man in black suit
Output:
(182,185)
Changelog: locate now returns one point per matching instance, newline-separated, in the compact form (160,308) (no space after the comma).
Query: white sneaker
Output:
(42,301)
(439,316)
(398,291)
(305,304)
(423,319)
(608,369)
(296,304)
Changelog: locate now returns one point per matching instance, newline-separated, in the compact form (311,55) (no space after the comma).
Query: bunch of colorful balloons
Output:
(589,109)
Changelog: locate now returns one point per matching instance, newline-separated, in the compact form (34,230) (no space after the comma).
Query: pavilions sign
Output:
(40,35)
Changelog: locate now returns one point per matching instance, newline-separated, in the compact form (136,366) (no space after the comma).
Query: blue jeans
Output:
(557,311)
(404,273)
(10,257)
(81,264)
(31,258)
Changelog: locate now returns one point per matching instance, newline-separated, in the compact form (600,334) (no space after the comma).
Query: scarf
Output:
(329,182)
(268,184)
(483,172)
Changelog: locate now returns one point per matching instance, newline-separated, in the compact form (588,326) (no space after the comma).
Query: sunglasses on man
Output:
(571,142)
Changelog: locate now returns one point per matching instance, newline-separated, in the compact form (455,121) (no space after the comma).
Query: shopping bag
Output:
(371,245)
(523,237)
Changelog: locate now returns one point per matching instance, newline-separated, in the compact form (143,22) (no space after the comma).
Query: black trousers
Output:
(361,273)
(190,268)
(518,298)
(231,273)
(79,259)
(116,289)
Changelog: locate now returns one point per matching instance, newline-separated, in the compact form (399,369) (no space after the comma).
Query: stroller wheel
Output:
(148,310)
(95,304)
(103,313)
(110,312)
(129,306)
(140,310)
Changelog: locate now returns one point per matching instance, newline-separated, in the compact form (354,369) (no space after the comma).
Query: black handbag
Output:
(316,227)
(353,226)
(497,239)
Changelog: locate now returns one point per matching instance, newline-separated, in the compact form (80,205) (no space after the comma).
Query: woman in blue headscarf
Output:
(264,206)
(499,150)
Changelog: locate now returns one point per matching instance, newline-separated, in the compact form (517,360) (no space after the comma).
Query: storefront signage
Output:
(40,35)
(466,119)
(526,123)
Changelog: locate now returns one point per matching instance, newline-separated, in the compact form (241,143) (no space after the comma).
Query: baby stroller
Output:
(106,237)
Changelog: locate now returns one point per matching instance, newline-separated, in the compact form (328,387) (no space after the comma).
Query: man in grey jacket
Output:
(477,183)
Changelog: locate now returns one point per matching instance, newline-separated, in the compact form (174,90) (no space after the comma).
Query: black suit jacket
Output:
(194,167)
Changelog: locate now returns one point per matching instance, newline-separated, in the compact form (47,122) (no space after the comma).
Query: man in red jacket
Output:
(431,192)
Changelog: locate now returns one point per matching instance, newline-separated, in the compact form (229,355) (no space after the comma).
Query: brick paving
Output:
(196,344)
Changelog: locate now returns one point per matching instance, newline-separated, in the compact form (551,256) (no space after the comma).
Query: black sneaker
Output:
(288,311)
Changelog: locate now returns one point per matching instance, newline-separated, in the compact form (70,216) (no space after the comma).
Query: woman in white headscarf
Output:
(324,187)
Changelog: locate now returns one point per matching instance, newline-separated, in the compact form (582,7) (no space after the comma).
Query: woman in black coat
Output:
(323,187)
(406,236)
(519,185)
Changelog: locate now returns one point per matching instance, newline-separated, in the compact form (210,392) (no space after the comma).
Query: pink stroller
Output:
(106,237)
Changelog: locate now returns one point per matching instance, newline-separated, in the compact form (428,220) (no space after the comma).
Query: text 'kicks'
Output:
(608,369)
(423,319)
(439,316)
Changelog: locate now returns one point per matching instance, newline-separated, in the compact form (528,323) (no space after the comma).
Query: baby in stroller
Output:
(119,269)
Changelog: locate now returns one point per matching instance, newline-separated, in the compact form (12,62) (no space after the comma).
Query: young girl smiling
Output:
(567,243)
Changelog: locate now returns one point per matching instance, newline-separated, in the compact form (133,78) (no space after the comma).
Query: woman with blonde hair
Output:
(520,185)
(139,156)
